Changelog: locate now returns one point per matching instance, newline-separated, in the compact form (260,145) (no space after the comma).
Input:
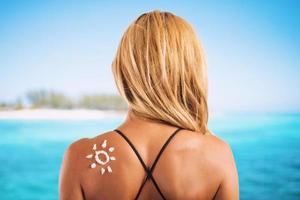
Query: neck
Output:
(133,120)
(132,117)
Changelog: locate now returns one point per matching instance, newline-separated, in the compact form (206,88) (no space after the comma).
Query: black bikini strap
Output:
(149,170)
(133,148)
(163,148)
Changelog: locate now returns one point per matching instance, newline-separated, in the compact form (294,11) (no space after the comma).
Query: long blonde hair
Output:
(160,71)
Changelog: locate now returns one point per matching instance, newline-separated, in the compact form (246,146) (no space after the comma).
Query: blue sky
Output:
(252,48)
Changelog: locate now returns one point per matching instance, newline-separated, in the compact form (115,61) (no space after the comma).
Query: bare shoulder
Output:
(217,145)
(207,159)
(78,148)
(224,163)
(209,147)
(219,150)
(74,165)
(210,141)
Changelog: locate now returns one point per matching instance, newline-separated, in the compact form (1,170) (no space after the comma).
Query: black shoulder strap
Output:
(149,170)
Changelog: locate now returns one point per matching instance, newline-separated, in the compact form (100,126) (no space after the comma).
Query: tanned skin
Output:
(193,166)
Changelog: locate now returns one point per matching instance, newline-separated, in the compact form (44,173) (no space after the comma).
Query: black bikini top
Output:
(147,169)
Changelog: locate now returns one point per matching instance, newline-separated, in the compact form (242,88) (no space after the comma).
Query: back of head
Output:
(160,71)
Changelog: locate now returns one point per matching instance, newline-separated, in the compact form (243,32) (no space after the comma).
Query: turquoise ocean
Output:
(266,148)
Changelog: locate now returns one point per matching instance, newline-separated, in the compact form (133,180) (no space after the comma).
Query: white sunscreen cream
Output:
(102,157)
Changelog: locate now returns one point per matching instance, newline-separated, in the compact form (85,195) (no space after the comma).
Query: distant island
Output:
(53,105)
(49,99)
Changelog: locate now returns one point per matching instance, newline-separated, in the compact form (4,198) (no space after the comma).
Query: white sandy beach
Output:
(56,114)
(73,114)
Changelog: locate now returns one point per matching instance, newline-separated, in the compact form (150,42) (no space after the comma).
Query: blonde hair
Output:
(160,71)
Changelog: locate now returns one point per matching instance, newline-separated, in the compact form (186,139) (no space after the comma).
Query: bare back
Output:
(190,167)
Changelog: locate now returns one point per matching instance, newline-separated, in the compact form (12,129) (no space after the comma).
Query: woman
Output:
(163,150)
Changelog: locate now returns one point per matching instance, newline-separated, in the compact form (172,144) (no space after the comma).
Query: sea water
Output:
(266,149)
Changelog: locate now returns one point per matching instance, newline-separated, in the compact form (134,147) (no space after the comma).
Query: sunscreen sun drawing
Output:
(102,157)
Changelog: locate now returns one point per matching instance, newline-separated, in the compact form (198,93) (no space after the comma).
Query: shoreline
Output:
(89,114)
(60,114)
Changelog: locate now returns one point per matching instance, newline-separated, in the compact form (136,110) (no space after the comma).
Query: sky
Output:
(252,48)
